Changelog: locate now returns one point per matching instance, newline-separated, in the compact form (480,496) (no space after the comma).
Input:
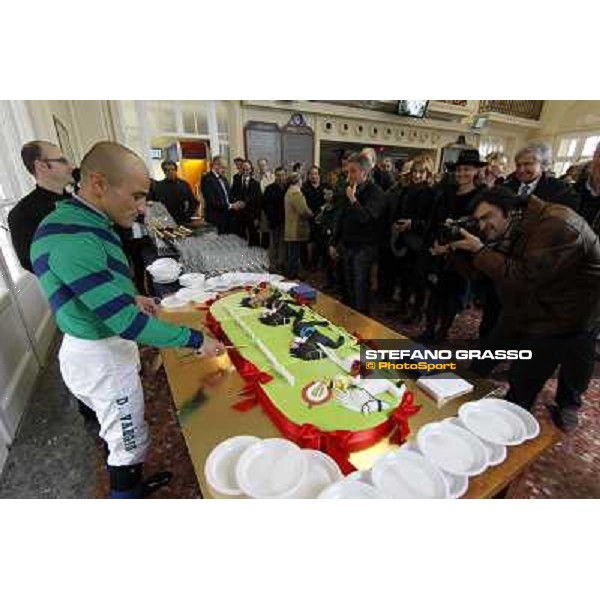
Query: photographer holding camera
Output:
(448,287)
(544,260)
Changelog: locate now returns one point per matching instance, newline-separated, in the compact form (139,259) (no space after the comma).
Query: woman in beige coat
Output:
(297,228)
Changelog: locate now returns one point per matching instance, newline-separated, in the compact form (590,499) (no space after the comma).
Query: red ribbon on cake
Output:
(361,340)
(400,416)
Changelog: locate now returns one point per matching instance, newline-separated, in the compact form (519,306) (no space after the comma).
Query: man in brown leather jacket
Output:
(544,260)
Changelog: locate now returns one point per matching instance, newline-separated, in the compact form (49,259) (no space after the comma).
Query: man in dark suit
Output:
(237,176)
(246,191)
(219,207)
(531,177)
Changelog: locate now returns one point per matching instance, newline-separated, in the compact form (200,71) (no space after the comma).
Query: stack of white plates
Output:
(192,280)
(273,468)
(499,422)
(408,474)
(350,489)
(457,484)
(322,472)
(532,427)
(221,464)
(496,454)
(453,449)
(245,466)
(164,270)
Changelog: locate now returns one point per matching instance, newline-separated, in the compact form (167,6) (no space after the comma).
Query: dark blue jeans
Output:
(357,261)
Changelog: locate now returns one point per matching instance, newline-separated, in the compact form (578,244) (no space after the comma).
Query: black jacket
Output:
(25,217)
(315,197)
(273,205)
(589,207)
(416,203)
(250,194)
(549,189)
(361,223)
(178,198)
(383,179)
(216,199)
(450,205)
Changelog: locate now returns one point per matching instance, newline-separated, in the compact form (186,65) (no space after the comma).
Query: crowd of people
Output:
(523,246)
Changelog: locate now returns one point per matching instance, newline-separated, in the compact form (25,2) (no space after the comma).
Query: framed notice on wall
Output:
(63,140)
(263,140)
(297,141)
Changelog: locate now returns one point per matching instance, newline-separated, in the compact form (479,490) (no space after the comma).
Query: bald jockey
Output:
(78,259)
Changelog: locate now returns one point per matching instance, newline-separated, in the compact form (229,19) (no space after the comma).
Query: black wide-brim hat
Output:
(469,157)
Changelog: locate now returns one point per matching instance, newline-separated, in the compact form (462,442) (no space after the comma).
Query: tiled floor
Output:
(53,456)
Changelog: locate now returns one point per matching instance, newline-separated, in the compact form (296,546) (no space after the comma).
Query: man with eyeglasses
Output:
(52,172)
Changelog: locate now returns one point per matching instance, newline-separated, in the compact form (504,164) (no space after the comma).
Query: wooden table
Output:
(213,420)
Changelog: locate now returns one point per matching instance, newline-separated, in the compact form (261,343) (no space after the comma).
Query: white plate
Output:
(362,476)
(221,463)
(532,427)
(452,449)
(457,484)
(496,453)
(173,302)
(322,472)
(186,293)
(492,423)
(273,468)
(408,474)
(195,295)
(192,280)
(348,489)
(202,297)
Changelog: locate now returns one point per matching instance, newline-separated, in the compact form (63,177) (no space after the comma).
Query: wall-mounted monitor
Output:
(412,108)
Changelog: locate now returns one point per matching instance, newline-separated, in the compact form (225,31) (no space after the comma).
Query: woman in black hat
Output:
(448,288)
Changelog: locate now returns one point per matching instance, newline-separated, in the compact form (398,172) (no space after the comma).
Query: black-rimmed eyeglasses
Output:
(62,160)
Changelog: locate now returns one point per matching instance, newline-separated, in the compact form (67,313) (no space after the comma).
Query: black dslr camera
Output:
(450,231)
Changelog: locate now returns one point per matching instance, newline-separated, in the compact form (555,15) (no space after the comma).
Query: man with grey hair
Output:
(588,186)
(358,230)
(531,176)
(383,178)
